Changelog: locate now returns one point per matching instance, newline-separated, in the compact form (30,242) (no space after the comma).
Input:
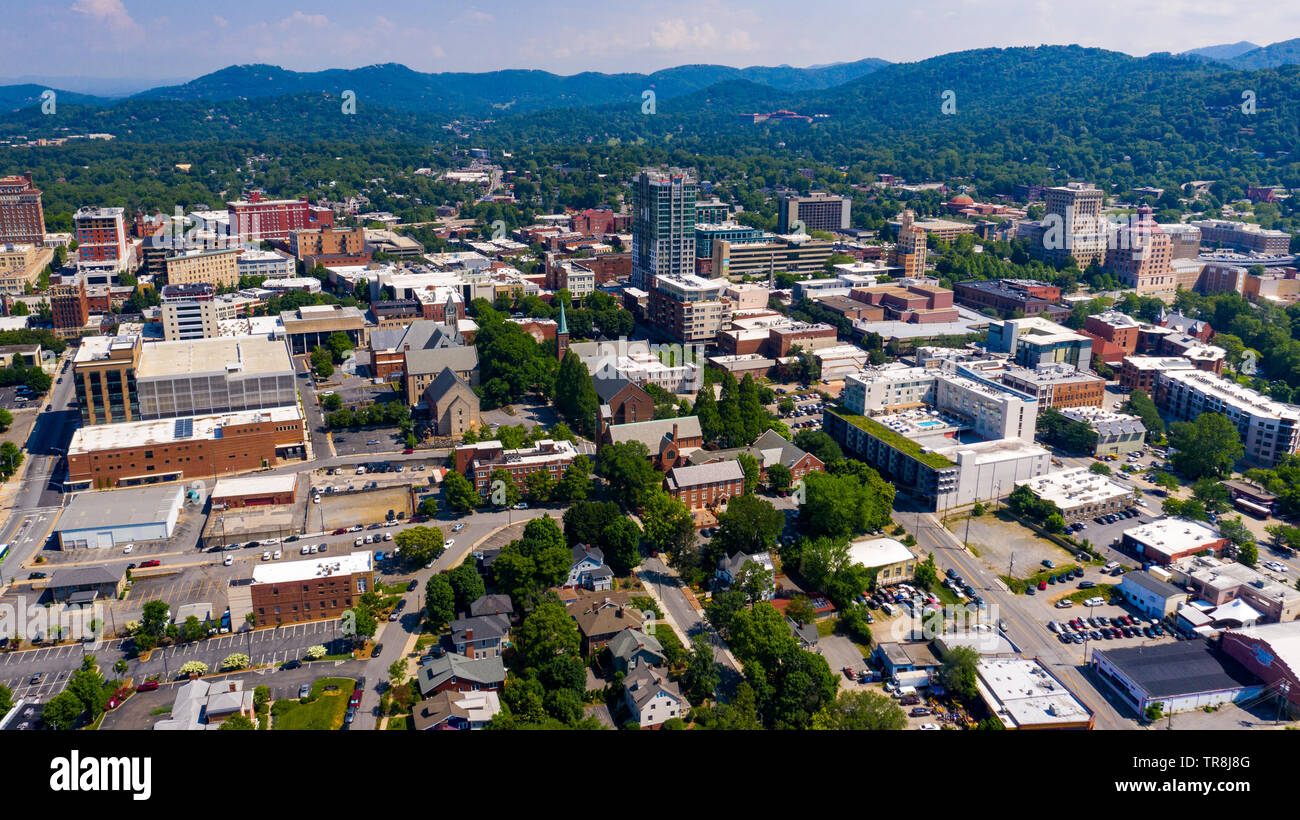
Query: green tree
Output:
(332,402)
(467,584)
(1099,467)
(548,631)
(419,544)
(539,487)
(669,528)
(6,419)
(843,505)
(800,610)
(754,580)
(428,507)
(575,484)
(860,711)
(627,470)
(154,616)
(439,601)
(6,699)
(397,672)
(1165,481)
(927,574)
(1208,446)
(749,525)
(1141,405)
(575,395)
(959,673)
(322,362)
(339,346)
(752,471)
(779,478)
(702,675)
(1248,554)
(459,492)
(819,444)
(501,479)
(62,711)
(237,723)
(621,545)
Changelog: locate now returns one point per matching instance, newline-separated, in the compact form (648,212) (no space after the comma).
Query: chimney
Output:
(469,634)
(674,431)
(618,613)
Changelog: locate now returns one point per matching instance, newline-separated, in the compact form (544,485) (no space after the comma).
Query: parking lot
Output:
(529,415)
(18,397)
(363,507)
(808,408)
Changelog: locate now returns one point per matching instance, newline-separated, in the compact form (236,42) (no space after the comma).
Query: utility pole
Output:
(1284,689)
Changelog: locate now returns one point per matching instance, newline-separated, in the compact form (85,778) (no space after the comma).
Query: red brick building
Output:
(706,485)
(22,219)
(273,219)
(324,588)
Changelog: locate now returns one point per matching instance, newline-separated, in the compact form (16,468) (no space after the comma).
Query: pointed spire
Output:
(564,325)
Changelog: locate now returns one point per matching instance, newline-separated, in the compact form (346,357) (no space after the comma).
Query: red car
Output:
(848,672)
(1042,585)
(356,699)
(340,531)
(407,451)
(147,686)
(153,562)
(118,697)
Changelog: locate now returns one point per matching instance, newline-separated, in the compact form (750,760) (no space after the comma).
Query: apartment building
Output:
(1117,433)
(1034,341)
(1058,385)
(1242,236)
(22,217)
(663,225)
(1142,372)
(478,461)
(1269,429)
(329,246)
(1119,329)
(21,266)
(69,307)
(257,219)
(689,308)
(218,267)
(103,250)
(192,312)
(1006,296)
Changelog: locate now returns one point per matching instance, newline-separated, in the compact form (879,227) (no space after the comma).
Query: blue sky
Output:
(168,40)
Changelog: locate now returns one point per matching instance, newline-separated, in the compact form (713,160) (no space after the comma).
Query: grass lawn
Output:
(826,627)
(324,710)
(398,723)
(390,589)
(162,710)
(425,641)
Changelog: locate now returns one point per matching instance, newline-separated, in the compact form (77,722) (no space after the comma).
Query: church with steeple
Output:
(562,336)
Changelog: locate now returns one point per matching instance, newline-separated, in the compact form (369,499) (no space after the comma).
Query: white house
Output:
(651,697)
(589,570)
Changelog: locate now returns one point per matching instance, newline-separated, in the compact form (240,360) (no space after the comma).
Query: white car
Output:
(358,542)
(127,549)
(315,499)
(266,556)
(929,727)
(388,536)
(449,543)
(276,555)
(228,561)
(312,551)
(458,528)
(270,542)
(304,550)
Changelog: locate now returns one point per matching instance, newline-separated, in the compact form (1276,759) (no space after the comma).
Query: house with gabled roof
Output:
(652,698)
(480,636)
(589,569)
(458,673)
(729,568)
(633,648)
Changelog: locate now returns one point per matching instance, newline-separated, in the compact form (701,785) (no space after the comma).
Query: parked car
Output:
(457,527)
(154,562)
(147,686)
(355,700)
(293,664)
(228,560)
(920,711)
(304,690)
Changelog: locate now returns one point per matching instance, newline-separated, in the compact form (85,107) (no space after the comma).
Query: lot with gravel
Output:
(365,507)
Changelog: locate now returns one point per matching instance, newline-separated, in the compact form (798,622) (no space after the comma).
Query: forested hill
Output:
(483,94)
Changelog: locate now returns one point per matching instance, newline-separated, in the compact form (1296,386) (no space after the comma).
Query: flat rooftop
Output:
(352,563)
(1025,695)
(237,356)
(1165,670)
(255,485)
(1071,488)
(167,431)
(1168,536)
(120,508)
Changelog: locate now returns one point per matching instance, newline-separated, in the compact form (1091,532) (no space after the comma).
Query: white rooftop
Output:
(1072,488)
(1168,536)
(166,431)
(1024,694)
(353,563)
(255,485)
(879,552)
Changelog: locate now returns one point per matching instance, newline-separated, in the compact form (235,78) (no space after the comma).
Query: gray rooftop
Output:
(120,508)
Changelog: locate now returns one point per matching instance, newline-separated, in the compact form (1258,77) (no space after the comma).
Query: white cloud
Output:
(220,21)
(678,35)
(113,16)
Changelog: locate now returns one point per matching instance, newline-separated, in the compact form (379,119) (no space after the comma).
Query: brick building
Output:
(478,461)
(22,219)
(706,485)
(320,589)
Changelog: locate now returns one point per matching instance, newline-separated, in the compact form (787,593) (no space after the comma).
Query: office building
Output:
(1269,429)
(192,312)
(1166,540)
(98,520)
(663,225)
(312,325)
(707,233)
(790,253)
(178,449)
(22,219)
(1242,236)
(329,246)
(1117,328)
(910,247)
(103,250)
(818,211)
(267,264)
(21,267)
(1072,226)
(1117,433)
(317,589)
(1080,493)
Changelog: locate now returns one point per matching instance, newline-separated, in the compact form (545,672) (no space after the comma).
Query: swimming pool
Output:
(925,425)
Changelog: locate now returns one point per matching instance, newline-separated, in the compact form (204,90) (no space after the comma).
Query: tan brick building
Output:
(219,268)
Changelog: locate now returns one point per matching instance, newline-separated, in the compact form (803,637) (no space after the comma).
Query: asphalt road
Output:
(1024,629)
(667,588)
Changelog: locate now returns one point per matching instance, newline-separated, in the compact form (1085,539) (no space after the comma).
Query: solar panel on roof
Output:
(184,428)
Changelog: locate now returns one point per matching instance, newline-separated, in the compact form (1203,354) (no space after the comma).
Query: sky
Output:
(153,42)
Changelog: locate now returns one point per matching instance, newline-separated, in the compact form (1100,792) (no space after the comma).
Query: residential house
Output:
(492,605)
(652,698)
(202,704)
(729,569)
(457,673)
(480,636)
(589,570)
(633,648)
(805,633)
(456,711)
(601,616)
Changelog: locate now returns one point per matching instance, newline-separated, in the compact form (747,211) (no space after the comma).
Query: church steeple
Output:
(562,335)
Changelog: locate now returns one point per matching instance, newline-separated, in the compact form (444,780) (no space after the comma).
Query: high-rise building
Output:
(689,308)
(102,247)
(818,211)
(711,211)
(1073,225)
(69,307)
(1142,255)
(909,250)
(22,221)
(663,225)
(218,267)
